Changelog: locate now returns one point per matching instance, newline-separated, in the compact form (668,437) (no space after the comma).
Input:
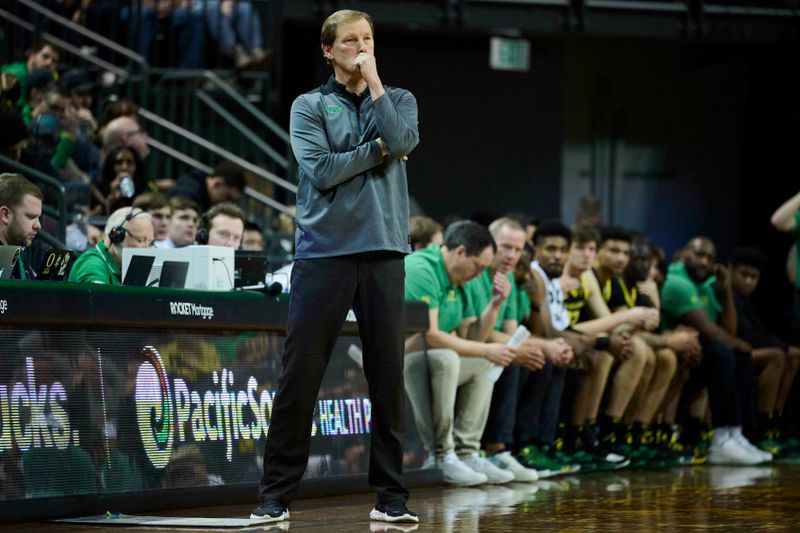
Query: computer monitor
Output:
(138,270)
(210,267)
(9,255)
(173,274)
(250,269)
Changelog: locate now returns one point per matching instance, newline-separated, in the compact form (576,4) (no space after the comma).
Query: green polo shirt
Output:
(681,294)
(480,289)
(96,265)
(427,281)
(20,71)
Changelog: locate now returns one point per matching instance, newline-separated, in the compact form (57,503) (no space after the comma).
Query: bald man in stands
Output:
(126,131)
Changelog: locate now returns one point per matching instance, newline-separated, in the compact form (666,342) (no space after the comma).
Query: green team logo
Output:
(154,408)
(330,109)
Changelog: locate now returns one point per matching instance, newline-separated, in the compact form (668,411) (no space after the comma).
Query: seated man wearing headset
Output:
(127,227)
(222,225)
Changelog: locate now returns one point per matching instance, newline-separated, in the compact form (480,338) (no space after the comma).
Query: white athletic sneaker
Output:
(506,461)
(730,452)
(485,466)
(456,472)
(429,463)
(747,445)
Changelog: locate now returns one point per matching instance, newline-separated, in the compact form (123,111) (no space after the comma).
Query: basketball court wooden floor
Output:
(762,498)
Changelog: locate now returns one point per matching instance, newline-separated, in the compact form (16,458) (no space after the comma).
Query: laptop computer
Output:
(9,255)
(138,270)
(173,274)
(250,269)
(55,265)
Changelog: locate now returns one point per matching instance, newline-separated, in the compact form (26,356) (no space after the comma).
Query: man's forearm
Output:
(322,166)
(654,340)
(783,217)
(482,329)
(397,124)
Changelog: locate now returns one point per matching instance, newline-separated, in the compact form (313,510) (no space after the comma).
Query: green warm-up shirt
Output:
(681,294)
(96,265)
(427,281)
(480,290)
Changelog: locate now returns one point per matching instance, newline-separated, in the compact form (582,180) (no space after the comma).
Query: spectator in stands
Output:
(253,239)
(13,134)
(177,19)
(160,209)
(777,359)
(119,107)
(424,231)
(689,297)
(20,211)
(42,55)
(225,184)
(54,128)
(222,225)
(445,372)
(236,27)
(9,90)
(127,227)
(126,131)
(41,84)
(77,86)
(121,179)
(182,223)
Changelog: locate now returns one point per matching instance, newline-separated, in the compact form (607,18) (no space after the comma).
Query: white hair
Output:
(118,217)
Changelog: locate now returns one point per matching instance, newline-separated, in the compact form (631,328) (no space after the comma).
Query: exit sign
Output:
(510,54)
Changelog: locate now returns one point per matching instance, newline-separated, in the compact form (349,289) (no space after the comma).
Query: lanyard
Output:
(21,268)
(630,296)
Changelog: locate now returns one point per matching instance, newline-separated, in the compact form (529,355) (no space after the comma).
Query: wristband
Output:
(602,343)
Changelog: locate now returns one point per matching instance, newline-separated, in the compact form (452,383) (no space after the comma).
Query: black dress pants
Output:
(323,290)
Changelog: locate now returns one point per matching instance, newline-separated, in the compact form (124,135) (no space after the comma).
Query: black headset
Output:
(118,233)
(202,229)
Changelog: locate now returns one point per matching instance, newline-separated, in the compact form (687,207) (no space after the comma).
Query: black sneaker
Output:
(270,511)
(395,511)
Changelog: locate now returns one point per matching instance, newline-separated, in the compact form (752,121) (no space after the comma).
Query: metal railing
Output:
(121,73)
(182,144)
(225,154)
(273,127)
(85,32)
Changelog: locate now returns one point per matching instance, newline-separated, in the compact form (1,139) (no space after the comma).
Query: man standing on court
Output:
(351,137)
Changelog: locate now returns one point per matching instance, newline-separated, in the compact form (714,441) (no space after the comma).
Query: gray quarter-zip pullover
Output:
(350,199)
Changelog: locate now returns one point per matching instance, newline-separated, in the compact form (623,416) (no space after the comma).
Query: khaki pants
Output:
(450,397)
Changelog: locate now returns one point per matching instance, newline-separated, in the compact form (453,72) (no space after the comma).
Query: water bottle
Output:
(126,187)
